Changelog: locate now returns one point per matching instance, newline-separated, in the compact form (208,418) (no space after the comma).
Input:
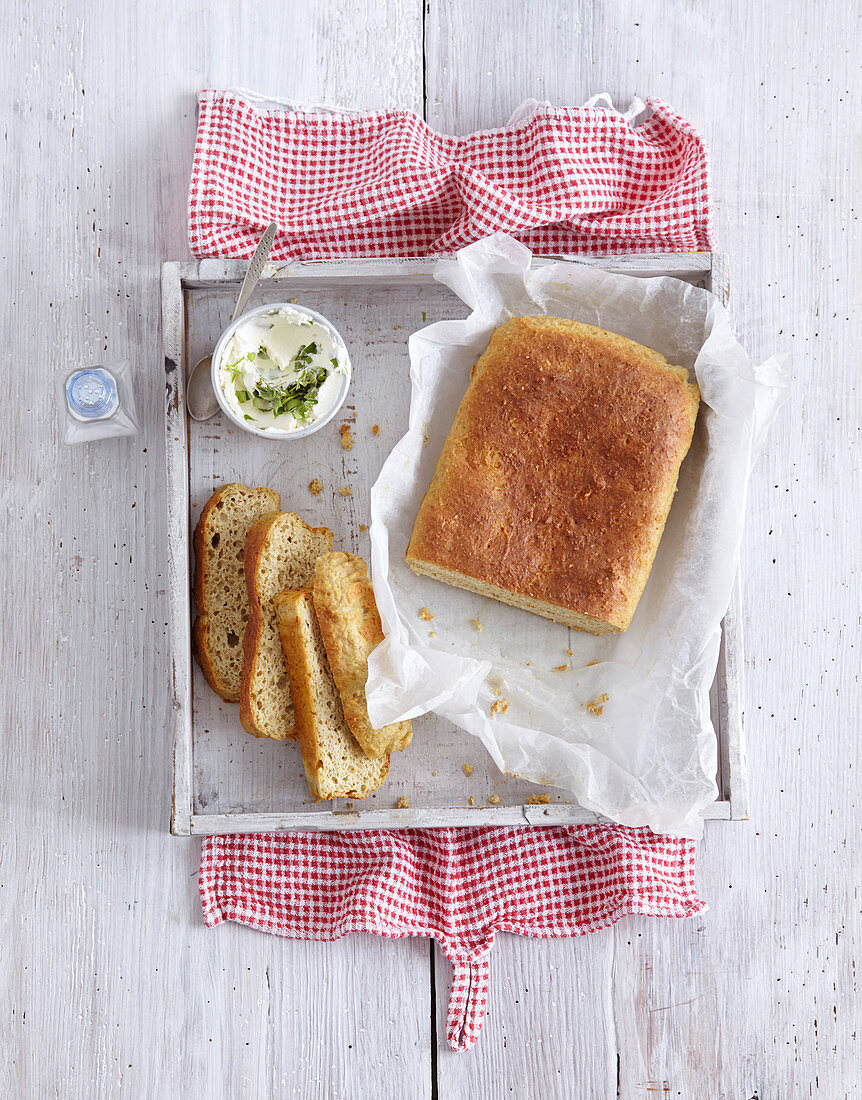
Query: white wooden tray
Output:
(228,782)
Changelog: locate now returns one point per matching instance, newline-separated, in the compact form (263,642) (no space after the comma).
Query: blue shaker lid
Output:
(91,394)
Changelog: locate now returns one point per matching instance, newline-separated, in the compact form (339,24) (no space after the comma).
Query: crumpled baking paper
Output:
(622,721)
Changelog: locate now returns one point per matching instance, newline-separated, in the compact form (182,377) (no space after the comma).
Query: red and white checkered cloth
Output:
(461,886)
(563,180)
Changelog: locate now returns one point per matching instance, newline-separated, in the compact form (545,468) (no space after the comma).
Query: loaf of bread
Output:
(554,484)
(219,589)
(335,765)
(350,626)
(280,552)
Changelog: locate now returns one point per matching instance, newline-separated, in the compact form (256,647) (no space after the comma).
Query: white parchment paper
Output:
(530,689)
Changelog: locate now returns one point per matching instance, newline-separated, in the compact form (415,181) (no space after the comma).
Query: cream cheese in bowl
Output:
(281,370)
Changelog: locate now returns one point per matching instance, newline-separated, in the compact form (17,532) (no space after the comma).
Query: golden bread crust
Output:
(350,626)
(557,476)
(287,606)
(262,628)
(221,612)
(334,762)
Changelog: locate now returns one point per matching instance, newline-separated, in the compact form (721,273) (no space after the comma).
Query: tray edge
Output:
(176,276)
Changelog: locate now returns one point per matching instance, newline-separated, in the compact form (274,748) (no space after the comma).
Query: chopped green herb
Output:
(303,356)
(423,314)
(298,399)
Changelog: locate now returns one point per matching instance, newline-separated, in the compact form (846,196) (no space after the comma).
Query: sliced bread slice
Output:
(221,600)
(350,626)
(280,553)
(335,765)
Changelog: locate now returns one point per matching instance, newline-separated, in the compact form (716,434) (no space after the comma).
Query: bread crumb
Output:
(472,801)
(590,663)
(375,429)
(468,769)
(425,614)
(500,707)
(477,625)
(568,652)
(434,773)
(538,800)
(494,799)
(345,491)
(346,437)
(560,668)
(596,706)
(402,804)
(363,526)
(432,634)
(350,805)
(315,486)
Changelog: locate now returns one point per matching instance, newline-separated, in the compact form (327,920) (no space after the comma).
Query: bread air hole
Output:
(214,541)
(232,639)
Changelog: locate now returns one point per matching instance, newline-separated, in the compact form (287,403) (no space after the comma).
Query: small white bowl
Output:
(282,433)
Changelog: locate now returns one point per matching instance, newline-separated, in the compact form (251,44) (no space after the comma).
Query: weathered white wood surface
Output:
(110,985)
(760,997)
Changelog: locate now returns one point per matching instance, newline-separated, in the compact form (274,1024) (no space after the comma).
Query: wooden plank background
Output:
(110,985)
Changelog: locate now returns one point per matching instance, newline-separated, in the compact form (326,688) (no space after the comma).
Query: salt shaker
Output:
(98,403)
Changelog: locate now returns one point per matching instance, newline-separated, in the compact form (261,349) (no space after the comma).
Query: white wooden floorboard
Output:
(520,1053)
(760,996)
(110,984)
